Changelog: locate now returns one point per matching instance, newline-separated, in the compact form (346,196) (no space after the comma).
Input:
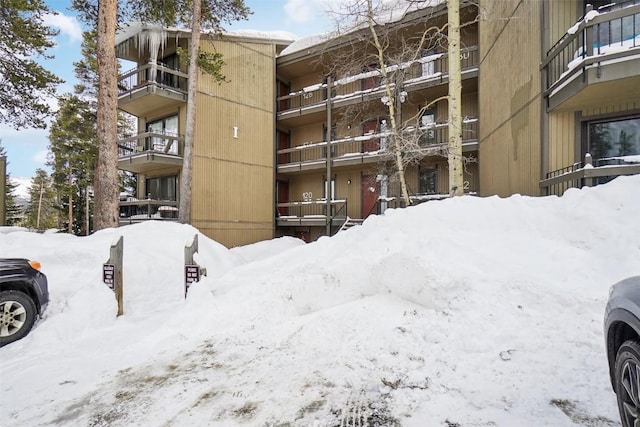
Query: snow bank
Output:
(469,311)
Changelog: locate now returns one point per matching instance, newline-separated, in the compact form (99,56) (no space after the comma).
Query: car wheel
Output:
(627,381)
(17,316)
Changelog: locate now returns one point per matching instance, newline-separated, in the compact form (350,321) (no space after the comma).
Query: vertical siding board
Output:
(233,177)
(510,98)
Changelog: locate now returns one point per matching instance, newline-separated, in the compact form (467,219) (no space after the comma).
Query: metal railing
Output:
(311,210)
(372,144)
(424,68)
(152,74)
(587,173)
(134,210)
(165,142)
(610,34)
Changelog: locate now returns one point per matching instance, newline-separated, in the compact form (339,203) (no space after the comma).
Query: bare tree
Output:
(456,186)
(374,43)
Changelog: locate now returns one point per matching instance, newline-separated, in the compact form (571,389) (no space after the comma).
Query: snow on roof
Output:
(261,34)
(132,29)
(306,42)
(388,11)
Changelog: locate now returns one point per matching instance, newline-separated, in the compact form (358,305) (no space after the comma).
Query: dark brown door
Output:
(283,144)
(370,193)
(282,189)
(370,126)
(283,90)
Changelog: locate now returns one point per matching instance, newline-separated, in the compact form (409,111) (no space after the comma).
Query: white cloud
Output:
(41,157)
(304,10)
(68,25)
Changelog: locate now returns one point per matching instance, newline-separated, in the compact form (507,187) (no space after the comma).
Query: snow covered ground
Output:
(462,312)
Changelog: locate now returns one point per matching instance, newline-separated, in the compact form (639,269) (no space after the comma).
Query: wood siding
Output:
(510,98)
(233,177)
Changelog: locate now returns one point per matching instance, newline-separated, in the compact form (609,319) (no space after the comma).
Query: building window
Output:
(167,126)
(428,181)
(162,188)
(428,127)
(613,141)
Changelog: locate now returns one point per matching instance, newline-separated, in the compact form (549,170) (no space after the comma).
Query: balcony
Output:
(428,71)
(597,60)
(311,213)
(373,148)
(151,152)
(149,87)
(133,210)
(589,173)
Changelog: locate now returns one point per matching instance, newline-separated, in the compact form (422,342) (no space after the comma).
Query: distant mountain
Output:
(22,190)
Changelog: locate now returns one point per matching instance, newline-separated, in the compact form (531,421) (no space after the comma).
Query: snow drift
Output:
(467,311)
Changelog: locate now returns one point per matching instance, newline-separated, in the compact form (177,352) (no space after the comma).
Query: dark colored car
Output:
(23,297)
(622,336)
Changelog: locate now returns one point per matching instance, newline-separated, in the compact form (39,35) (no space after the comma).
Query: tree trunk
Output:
(184,211)
(106,179)
(456,185)
(393,98)
(70,206)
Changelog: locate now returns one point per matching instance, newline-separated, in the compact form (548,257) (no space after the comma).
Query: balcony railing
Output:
(311,212)
(609,35)
(588,173)
(155,75)
(373,146)
(133,210)
(427,70)
(166,143)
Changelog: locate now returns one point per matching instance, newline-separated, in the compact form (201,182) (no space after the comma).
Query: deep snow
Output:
(467,311)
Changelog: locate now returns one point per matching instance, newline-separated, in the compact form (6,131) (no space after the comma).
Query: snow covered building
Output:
(334,124)
(233,157)
(559,94)
(298,141)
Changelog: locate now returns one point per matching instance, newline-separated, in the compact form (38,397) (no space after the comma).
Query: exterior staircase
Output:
(349,223)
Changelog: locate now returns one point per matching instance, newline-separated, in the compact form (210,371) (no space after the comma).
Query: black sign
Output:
(109,275)
(191,274)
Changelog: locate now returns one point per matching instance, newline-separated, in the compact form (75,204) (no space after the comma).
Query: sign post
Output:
(112,272)
(192,270)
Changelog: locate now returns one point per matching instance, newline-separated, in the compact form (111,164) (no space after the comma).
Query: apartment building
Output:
(335,152)
(299,140)
(559,92)
(233,155)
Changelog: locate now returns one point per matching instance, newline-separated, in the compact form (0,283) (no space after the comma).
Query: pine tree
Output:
(41,212)
(73,158)
(24,84)
(13,212)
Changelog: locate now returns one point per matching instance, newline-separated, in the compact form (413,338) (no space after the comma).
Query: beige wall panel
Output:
(608,109)
(300,184)
(249,70)
(561,140)
(233,175)
(562,14)
(348,187)
(307,133)
(232,196)
(215,134)
(510,100)
(307,80)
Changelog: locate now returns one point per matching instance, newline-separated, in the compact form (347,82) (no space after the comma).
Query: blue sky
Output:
(27,149)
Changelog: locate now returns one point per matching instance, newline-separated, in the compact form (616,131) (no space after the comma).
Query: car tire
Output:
(627,382)
(17,316)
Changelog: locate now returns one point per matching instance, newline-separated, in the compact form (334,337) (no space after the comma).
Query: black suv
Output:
(23,297)
(622,339)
